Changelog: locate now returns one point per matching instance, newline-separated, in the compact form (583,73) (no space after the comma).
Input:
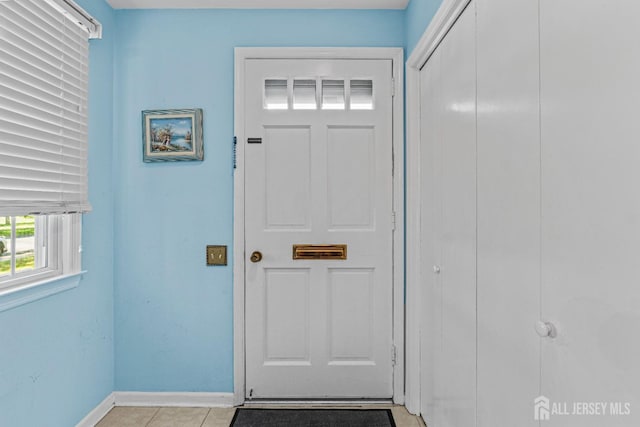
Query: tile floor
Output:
(131,416)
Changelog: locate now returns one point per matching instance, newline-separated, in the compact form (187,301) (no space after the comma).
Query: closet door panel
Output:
(448,151)
(508,212)
(431,361)
(590,91)
(458,222)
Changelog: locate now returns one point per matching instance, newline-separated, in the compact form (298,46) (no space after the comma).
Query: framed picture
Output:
(172,135)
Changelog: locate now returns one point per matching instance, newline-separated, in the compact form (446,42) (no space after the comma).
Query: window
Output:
(304,94)
(32,248)
(333,94)
(21,242)
(275,94)
(311,94)
(44,51)
(361,94)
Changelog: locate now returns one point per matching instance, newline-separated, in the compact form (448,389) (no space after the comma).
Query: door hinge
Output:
(393,86)
(235,151)
(394,355)
(393,220)
(393,162)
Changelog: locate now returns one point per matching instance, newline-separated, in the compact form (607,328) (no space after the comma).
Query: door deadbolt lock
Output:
(256,256)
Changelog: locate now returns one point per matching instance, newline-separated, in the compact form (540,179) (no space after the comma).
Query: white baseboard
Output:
(183,399)
(98,412)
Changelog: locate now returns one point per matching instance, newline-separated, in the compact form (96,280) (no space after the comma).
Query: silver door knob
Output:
(546,329)
(436,269)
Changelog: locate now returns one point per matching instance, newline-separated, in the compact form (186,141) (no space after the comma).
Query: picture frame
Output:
(172,135)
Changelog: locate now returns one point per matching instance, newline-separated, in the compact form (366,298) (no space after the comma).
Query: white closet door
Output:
(431,379)
(590,98)
(458,222)
(450,300)
(508,212)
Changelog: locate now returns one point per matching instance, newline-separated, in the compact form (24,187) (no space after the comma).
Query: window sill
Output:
(11,298)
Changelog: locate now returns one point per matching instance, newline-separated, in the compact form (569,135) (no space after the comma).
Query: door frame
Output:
(442,22)
(396,55)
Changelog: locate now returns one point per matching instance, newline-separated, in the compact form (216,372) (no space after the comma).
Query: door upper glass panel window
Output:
(308,93)
(333,95)
(304,94)
(276,96)
(361,95)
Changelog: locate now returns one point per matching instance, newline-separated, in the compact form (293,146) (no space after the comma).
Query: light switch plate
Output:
(216,255)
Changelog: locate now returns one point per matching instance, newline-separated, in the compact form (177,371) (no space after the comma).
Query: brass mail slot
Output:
(319,251)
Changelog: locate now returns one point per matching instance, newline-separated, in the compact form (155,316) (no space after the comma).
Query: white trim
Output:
(392,53)
(399,230)
(396,55)
(412,390)
(173,399)
(11,298)
(442,22)
(238,235)
(258,4)
(98,412)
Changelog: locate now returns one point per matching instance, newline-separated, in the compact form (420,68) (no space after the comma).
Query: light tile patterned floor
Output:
(131,416)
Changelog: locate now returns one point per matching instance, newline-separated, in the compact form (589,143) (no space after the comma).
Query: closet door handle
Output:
(436,269)
(546,329)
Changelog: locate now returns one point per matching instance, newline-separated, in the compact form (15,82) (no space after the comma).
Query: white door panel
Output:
(351,185)
(431,311)
(508,212)
(449,168)
(319,328)
(591,206)
(458,222)
(286,328)
(288,201)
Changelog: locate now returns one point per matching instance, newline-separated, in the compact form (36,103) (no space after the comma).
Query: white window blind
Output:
(44,64)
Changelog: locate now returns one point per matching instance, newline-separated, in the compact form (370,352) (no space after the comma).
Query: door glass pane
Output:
(304,95)
(333,94)
(361,95)
(275,94)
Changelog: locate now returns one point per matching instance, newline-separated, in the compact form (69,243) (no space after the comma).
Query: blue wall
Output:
(418,15)
(174,315)
(56,354)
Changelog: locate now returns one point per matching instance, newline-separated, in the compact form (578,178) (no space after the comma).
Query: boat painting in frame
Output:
(172,135)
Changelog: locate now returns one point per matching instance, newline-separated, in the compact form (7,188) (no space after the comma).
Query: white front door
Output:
(318,164)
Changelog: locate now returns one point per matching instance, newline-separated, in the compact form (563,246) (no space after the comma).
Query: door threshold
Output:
(318,402)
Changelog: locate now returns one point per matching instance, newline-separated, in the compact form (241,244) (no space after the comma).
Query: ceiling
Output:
(258,4)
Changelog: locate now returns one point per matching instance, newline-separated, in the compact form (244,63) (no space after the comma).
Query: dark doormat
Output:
(255,417)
